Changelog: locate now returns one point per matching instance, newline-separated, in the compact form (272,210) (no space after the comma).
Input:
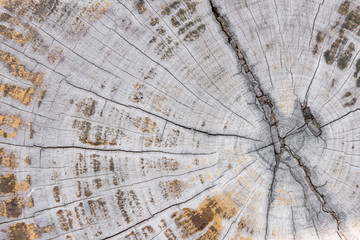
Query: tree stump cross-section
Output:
(180,119)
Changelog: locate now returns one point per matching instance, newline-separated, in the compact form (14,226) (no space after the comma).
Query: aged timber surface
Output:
(181,119)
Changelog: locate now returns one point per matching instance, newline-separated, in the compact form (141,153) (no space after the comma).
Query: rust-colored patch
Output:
(12,121)
(8,159)
(210,213)
(23,231)
(22,39)
(49,229)
(17,69)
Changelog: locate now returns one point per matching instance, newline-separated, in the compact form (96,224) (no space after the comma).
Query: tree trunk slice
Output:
(181,119)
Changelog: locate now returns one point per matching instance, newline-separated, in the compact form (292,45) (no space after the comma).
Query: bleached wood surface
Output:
(183,119)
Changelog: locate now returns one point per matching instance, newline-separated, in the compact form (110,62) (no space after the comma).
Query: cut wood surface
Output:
(182,119)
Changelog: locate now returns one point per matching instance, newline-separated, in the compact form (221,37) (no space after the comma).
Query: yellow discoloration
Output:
(209,214)
(23,95)
(17,69)
(12,121)
(8,159)
(23,231)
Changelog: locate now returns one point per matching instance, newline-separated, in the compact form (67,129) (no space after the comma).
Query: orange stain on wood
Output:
(15,92)
(8,159)
(24,231)
(22,39)
(12,121)
(10,185)
(17,69)
(209,214)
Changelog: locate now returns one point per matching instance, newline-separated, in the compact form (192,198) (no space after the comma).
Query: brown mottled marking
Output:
(31,130)
(101,134)
(87,107)
(154,21)
(96,164)
(140,6)
(210,212)
(23,231)
(146,125)
(357,66)
(344,58)
(97,183)
(319,37)
(344,8)
(352,21)
(175,22)
(80,166)
(330,55)
(358,82)
(172,189)
(12,207)
(351,103)
(146,230)
(65,220)
(128,200)
(10,185)
(56,193)
(98,208)
(133,236)
(169,234)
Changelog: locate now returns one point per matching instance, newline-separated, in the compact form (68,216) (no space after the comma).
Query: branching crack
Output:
(265,104)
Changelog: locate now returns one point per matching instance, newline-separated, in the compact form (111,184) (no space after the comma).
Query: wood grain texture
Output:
(182,119)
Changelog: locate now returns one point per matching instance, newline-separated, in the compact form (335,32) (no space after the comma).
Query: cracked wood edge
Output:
(179,119)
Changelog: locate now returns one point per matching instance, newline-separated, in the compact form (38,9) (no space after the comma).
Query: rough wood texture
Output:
(182,119)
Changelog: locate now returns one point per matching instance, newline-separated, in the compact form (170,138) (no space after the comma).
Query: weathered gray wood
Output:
(179,119)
